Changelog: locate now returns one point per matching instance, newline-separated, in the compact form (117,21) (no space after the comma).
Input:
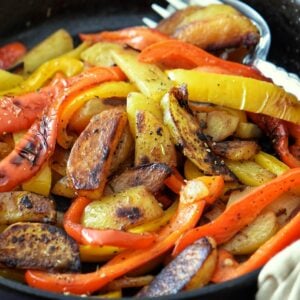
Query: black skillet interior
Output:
(32,20)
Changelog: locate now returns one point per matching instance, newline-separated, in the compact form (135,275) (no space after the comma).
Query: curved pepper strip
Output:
(107,90)
(284,237)
(67,65)
(108,237)
(278,131)
(17,113)
(10,53)
(178,54)
(242,212)
(187,216)
(38,143)
(136,37)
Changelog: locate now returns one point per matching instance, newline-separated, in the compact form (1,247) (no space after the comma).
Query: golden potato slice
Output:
(122,210)
(38,246)
(254,235)
(153,141)
(184,269)
(246,130)
(236,150)
(151,176)
(91,156)
(63,187)
(213,27)
(188,136)
(26,207)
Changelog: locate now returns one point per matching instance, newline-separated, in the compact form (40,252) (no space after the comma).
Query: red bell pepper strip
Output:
(10,53)
(284,237)
(38,143)
(175,181)
(136,37)
(278,131)
(187,216)
(243,212)
(19,112)
(90,236)
(178,54)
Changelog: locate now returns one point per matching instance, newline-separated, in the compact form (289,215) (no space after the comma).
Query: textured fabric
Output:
(280,278)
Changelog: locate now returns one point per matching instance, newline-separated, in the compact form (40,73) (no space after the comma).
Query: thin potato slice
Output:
(151,176)
(26,207)
(236,150)
(153,141)
(183,269)
(254,235)
(188,137)
(52,249)
(91,156)
(122,210)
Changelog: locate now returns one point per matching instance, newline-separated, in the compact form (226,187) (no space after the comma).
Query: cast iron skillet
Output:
(32,20)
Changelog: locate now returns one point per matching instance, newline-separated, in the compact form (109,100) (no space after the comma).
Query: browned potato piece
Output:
(91,156)
(187,135)
(168,25)
(26,207)
(220,125)
(63,187)
(153,141)
(151,176)
(236,150)
(213,27)
(38,246)
(246,130)
(122,210)
(182,270)
(123,152)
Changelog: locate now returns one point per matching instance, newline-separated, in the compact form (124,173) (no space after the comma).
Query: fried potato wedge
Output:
(21,206)
(153,141)
(91,156)
(254,235)
(236,150)
(183,270)
(122,210)
(151,176)
(38,246)
(188,136)
(212,28)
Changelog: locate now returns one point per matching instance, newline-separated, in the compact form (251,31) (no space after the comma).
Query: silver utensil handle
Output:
(289,81)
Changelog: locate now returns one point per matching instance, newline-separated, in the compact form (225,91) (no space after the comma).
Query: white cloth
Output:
(280,277)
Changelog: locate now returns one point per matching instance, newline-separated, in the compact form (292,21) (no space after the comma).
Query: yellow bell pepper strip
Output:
(75,53)
(17,113)
(107,237)
(284,237)
(270,163)
(9,80)
(178,54)
(239,93)
(136,37)
(10,53)
(105,90)
(38,143)
(242,212)
(111,295)
(66,65)
(189,211)
(277,130)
